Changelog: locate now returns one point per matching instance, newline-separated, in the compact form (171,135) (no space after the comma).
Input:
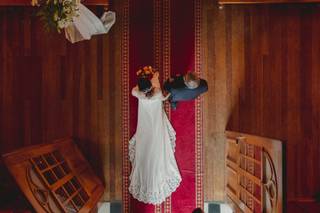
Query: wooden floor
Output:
(262,64)
(51,89)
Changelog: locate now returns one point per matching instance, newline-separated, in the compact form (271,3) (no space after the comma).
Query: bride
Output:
(155,174)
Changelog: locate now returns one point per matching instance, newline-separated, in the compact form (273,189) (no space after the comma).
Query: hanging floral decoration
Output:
(56,14)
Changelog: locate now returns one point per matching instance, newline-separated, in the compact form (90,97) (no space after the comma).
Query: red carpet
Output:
(166,35)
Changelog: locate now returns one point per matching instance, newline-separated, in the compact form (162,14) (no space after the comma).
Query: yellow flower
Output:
(34,2)
(145,71)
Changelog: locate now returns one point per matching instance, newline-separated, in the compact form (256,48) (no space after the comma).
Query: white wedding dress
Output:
(155,174)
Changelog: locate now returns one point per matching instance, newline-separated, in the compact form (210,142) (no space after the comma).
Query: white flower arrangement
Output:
(57,14)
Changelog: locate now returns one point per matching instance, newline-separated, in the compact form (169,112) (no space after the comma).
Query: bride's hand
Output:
(156,75)
(166,97)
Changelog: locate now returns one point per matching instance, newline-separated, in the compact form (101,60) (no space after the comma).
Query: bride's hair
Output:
(145,86)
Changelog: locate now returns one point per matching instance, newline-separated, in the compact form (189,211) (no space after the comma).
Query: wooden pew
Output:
(254,173)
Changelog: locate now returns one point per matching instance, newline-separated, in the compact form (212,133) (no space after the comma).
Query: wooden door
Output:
(55,177)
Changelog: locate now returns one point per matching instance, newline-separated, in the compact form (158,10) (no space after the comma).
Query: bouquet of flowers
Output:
(146,72)
(57,14)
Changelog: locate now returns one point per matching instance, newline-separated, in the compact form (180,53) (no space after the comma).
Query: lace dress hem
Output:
(166,189)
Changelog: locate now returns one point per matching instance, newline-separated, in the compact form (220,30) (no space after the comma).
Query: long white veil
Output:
(87,24)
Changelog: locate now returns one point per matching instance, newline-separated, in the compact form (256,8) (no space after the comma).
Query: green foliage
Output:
(57,14)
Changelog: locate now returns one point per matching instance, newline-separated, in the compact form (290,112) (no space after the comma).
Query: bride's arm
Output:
(155,80)
(135,92)
(156,84)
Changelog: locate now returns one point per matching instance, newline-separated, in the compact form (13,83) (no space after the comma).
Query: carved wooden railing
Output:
(254,173)
(55,177)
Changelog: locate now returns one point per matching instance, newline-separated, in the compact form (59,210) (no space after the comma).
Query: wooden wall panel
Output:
(263,75)
(50,88)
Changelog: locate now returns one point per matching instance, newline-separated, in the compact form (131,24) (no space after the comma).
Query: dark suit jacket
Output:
(180,92)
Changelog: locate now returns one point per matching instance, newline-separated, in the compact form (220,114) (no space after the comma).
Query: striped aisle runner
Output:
(165,34)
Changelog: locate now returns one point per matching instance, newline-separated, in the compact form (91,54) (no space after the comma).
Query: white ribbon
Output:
(87,24)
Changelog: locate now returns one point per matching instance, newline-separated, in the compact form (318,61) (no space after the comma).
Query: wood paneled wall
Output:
(50,88)
(263,68)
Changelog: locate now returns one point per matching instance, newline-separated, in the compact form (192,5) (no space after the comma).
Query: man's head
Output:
(191,80)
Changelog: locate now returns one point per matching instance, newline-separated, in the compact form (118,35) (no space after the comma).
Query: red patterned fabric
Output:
(183,119)
(145,32)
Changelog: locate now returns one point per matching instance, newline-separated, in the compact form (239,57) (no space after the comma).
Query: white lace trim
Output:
(132,148)
(172,136)
(165,190)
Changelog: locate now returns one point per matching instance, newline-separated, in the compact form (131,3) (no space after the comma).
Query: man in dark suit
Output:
(184,88)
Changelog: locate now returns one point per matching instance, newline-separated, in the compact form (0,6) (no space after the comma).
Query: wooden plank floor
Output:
(261,62)
(51,89)
(262,65)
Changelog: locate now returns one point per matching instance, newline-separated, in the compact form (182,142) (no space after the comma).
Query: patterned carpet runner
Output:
(165,34)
